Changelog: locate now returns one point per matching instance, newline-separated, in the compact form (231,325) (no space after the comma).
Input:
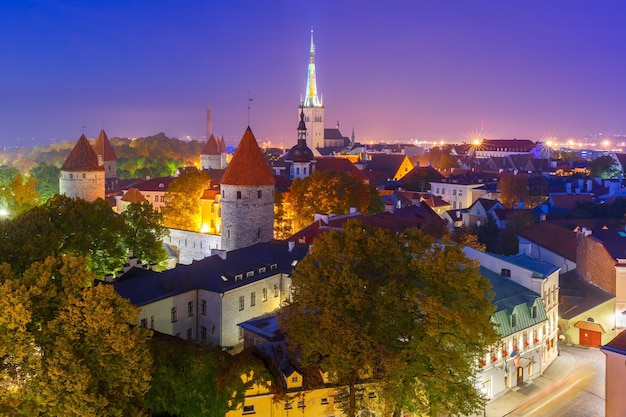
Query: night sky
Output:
(394,70)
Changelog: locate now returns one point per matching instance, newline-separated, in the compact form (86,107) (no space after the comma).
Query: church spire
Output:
(311,99)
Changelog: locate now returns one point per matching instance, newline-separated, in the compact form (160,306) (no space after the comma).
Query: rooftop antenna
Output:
(249,101)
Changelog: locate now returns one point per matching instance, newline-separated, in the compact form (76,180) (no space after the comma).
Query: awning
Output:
(587,325)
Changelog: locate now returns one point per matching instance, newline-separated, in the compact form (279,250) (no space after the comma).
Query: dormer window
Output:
(238,277)
(249,274)
(513,320)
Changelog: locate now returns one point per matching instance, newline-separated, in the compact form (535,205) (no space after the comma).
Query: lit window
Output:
(241,303)
(174,315)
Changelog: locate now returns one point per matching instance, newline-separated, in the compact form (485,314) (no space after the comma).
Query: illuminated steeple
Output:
(311,99)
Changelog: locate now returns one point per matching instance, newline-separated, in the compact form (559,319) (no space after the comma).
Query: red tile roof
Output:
(248,166)
(211,147)
(568,201)
(558,239)
(82,158)
(102,147)
(619,342)
(133,195)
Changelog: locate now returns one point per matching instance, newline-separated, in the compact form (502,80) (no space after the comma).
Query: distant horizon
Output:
(399,71)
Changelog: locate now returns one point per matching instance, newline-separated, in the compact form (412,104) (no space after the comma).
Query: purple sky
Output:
(394,70)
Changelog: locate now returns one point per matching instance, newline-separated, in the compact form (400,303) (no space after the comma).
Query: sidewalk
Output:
(562,367)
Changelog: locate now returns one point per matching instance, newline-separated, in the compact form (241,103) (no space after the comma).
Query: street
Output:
(580,394)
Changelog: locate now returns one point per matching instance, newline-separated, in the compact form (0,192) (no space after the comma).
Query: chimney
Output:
(209,123)
(291,245)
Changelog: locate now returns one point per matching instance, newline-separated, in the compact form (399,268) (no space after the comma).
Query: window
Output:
(505,272)
(294,379)
(248,409)
(460,193)
(324,401)
(241,303)
(275,290)
(174,315)
(264,294)
(238,277)
(203,334)
(252,299)
(288,405)
(238,195)
(453,192)
(513,320)
(203,307)
(249,274)
(152,322)
(259,193)
(144,323)
(190,308)
(534,313)
(189,334)
(71,176)
(241,332)
(300,404)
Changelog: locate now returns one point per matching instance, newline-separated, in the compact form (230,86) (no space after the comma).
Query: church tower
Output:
(81,174)
(211,157)
(247,197)
(300,157)
(106,155)
(312,106)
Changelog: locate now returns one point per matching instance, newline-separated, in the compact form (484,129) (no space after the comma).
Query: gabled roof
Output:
(539,269)
(577,295)
(211,147)
(158,184)
(617,344)
(485,203)
(222,145)
(568,201)
(82,157)
(213,273)
(133,195)
(339,165)
(552,237)
(511,297)
(103,147)
(509,145)
(248,165)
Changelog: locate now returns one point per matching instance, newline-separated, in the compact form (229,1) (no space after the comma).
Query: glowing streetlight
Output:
(4,212)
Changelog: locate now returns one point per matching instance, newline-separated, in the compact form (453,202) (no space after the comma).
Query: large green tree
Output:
(47,177)
(604,167)
(513,189)
(330,192)
(182,208)
(144,231)
(411,313)
(66,345)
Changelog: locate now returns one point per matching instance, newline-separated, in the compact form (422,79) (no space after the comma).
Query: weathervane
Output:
(249,101)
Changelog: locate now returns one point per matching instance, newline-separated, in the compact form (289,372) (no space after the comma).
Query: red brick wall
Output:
(594,263)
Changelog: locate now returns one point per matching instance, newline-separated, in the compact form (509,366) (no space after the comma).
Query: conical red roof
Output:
(82,157)
(248,166)
(103,147)
(222,145)
(211,147)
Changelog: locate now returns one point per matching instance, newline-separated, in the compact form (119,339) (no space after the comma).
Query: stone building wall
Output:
(595,263)
(247,217)
(88,185)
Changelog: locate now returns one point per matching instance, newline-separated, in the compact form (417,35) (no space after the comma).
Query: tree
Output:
(605,167)
(488,234)
(84,358)
(509,241)
(19,195)
(47,177)
(194,380)
(182,208)
(330,192)
(410,312)
(513,189)
(144,232)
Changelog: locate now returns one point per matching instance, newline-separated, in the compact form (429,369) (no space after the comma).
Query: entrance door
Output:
(520,376)
(589,338)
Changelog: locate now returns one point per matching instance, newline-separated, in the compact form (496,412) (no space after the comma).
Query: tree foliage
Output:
(192,380)
(605,167)
(330,192)
(513,189)
(411,312)
(47,177)
(19,195)
(144,231)
(69,347)
(182,208)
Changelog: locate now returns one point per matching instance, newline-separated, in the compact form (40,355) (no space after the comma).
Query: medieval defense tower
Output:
(213,155)
(312,106)
(247,201)
(81,174)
